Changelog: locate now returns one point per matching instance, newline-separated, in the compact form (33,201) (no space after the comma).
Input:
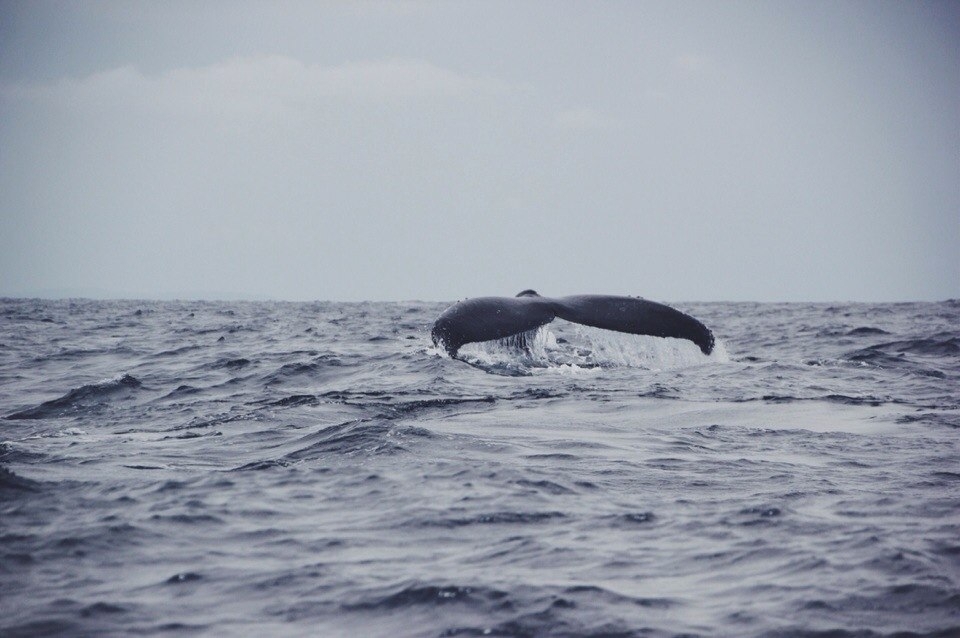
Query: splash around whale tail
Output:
(490,318)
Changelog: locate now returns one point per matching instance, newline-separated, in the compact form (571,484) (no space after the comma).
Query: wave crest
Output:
(80,399)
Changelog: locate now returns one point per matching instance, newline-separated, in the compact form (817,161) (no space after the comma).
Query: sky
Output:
(679,151)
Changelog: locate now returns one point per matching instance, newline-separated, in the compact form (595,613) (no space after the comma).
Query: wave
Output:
(80,399)
(294,400)
(917,356)
(411,594)
(906,598)
(387,403)
(408,407)
(941,345)
(575,610)
(182,391)
(362,435)
(493,518)
(844,399)
(173,352)
(10,482)
(866,331)
(290,371)
(948,418)
(383,432)
(78,354)
(231,364)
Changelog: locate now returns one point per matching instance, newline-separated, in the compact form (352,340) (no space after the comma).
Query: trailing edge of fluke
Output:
(490,318)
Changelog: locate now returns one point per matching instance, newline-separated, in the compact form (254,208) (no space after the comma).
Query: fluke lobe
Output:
(489,318)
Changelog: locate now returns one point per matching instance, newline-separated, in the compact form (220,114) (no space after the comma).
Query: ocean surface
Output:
(320,469)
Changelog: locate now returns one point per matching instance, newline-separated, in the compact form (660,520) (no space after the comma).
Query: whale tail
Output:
(634,316)
(492,318)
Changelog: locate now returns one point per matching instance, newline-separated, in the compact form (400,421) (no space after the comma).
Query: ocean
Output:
(321,469)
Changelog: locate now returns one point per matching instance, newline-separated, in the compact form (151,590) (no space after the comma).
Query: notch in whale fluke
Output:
(490,318)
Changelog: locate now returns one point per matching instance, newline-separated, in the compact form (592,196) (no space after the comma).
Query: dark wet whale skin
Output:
(490,318)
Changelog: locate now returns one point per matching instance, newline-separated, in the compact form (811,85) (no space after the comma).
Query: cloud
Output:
(259,86)
(254,169)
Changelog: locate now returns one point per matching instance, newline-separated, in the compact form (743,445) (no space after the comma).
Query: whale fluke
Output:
(490,318)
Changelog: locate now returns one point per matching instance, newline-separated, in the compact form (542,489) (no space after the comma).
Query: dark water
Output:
(319,469)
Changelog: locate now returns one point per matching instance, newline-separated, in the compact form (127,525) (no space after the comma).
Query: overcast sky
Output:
(770,151)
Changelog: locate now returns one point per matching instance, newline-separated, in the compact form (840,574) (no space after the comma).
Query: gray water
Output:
(209,468)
